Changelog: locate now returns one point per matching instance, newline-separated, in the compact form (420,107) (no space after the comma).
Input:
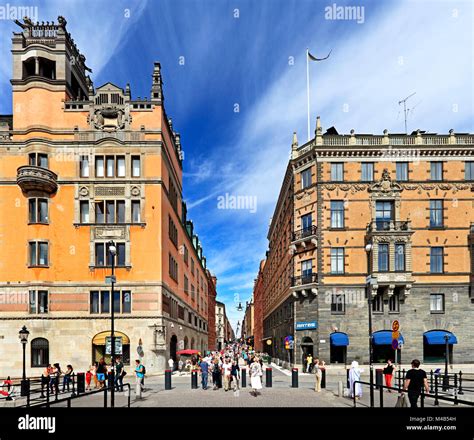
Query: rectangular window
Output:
(469,170)
(84,211)
(436,260)
(110,211)
(136,166)
(399,257)
(305,178)
(120,208)
(436,214)
(95,302)
(377,303)
(99,166)
(337,214)
(38,253)
(105,301)
(84,166)
(126,301)
(120,254)
(38,160)
(338,304)
(117,301)
(136,217)
(38,210)
(394,303)
(186,285)
(383,257)
(99,212)
(120,166)
(306,222)
(337,260)
(384,214)
(337,172)
(367,171)
(436,170)
(100,254)
(402,171)
(306,268)
(437,303)
(100,301)
(110,166)
(38,301)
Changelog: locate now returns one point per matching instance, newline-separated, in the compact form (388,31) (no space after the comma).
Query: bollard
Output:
(105,397)
(436,402)
(194,380)
(244,377)
(25,387)
(167,379)
(348,384)
(460,383)
(81,383)
(455,391)
(110,380)
(323,378)
(378,378)
(268,378)
(294,378)
(340,389)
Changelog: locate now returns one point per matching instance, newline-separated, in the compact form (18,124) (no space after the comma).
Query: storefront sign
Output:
(309,325)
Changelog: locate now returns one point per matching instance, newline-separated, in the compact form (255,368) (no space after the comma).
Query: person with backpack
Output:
(139,375)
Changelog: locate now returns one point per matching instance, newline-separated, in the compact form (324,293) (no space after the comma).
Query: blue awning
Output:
(384,337)
(436,337)
(339,339)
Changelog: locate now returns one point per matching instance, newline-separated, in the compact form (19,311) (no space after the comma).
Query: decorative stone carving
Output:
(352,187)
(455,187)
(385,187)
(109,118)
(135,191)
(84,191)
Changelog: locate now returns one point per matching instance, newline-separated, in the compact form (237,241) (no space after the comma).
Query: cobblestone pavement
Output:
(280,395)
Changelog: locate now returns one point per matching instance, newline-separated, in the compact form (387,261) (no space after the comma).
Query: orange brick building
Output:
(81,166)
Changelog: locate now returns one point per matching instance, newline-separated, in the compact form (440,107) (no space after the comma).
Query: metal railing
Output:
(304,279)
(389,225)
(304,233)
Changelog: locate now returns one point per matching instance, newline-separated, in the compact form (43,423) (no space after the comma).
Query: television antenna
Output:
(405,110)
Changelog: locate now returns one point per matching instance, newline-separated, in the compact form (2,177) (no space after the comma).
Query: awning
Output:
(436,337)
(339,339)
(384,337)
(99,338)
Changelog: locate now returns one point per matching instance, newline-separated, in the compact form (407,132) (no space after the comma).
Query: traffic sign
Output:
(395,326)
(396,335)
(395,344)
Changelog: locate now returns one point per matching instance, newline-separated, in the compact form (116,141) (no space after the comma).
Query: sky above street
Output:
(234,75)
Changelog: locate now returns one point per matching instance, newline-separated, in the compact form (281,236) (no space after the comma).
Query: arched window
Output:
(39,352)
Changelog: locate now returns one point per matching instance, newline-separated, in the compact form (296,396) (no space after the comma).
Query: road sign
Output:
(110,279)
(396,335)
(395,344)
(395,326)
(118,345)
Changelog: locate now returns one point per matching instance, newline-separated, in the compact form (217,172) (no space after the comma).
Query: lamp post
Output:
(368,250)
(446,378)
(23,335)
(113,251)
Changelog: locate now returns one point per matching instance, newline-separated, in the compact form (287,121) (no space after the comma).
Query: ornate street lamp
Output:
(23,335)
(368,250)
(239,307)
(113,252)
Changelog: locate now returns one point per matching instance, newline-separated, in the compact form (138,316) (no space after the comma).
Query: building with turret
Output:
(84,166)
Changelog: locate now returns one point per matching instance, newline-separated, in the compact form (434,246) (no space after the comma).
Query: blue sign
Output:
(310,325)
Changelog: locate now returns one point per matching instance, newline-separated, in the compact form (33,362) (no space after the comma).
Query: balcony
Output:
(304,284)
(34,178)
(303,237)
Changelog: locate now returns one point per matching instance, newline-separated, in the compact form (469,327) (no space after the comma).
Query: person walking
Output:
(139,377)
(354,376)
(101,372)
(45,379)
(318,374)
(226,370)
(235,374)
(89,377)
(204,366)
(119,374)
(171,364)
(255,376)
(67,377)
(388,374)
(415,381)
(309,362)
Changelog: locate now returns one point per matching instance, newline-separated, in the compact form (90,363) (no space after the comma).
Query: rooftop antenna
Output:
(405,110)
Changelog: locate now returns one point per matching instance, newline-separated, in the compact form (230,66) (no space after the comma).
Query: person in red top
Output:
(388,373)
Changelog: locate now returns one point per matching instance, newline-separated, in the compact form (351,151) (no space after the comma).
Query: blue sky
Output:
(250,55)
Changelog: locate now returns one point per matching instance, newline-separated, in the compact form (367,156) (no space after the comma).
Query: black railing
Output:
(305,233)
(388,225)
(304,279)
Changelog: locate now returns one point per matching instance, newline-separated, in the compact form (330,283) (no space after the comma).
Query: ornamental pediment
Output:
(385,186)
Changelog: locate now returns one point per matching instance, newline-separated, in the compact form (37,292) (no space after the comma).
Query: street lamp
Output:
(239,307)
(368,250)
(113,251)
(23,335)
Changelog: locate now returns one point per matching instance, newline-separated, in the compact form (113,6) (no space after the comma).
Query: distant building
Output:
(410,198)
(258,293)
(224,330)
(211,305)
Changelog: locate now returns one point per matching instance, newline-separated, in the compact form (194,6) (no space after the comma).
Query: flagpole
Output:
(307,88)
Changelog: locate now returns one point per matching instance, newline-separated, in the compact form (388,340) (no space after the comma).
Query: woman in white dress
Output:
(354,375)
(255,376)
